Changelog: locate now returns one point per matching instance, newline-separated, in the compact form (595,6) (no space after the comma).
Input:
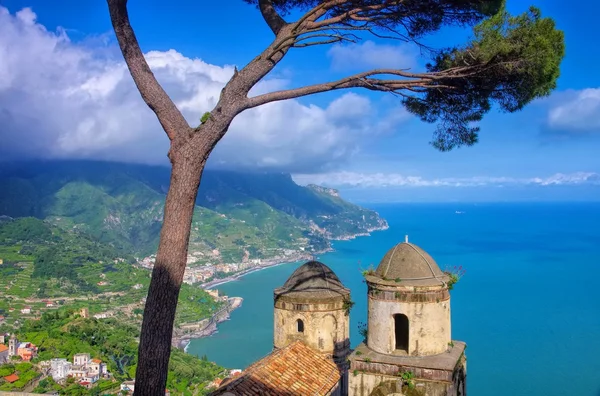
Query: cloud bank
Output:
(382,180)
(577,111)
(61,99)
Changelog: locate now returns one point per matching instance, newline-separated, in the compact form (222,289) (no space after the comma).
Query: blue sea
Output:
(528,306)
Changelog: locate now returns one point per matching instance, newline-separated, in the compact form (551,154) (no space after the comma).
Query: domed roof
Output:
(313,278)
(408,262)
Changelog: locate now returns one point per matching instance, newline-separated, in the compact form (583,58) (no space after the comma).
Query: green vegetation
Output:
(205,117)
(454,274)
(25,371)
(61,334)
(120,206)
(68,267)
(347,306)
(370,271)
(70,256)
(408,384)
(363,330)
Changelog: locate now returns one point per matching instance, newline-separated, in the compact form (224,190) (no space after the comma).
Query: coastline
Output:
(275,263)
(289,260)
(208,327)
(184,333)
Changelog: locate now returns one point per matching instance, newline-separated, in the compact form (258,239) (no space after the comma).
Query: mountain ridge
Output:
(240,215)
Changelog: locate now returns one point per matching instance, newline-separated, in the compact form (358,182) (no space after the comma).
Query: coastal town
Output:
(211,274)
(207,269)
(81,369)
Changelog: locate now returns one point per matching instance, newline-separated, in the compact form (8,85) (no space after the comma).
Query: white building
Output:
(59,368)
(90,377)
(96,366)
(78,372)
(81,359)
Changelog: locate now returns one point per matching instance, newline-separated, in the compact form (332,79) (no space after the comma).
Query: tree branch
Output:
(272,18)
(153,94)
(359,80)
(415,82)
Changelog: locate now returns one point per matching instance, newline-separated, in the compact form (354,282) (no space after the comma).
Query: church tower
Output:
(12,345)
(408,337)
(313,307)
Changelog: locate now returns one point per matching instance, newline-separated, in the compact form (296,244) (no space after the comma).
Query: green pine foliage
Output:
(517,60)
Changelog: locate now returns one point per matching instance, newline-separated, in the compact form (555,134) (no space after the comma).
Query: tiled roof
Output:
(3,348)
(295,370)
(12,378)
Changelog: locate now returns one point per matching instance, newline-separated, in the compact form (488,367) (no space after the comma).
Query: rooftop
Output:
(291,371)
(11,378)
(411,264)
(313,279)
(3,348)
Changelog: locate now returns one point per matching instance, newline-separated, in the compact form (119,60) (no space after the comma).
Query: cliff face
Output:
(324,190)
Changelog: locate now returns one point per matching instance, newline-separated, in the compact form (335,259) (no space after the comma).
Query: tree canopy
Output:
(509,61)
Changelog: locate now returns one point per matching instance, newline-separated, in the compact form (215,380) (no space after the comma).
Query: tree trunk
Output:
(159,314)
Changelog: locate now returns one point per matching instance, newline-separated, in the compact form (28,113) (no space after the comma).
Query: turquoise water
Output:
(528,306)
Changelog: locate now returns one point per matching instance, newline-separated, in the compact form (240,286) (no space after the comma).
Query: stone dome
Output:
(313,278)
(411,264)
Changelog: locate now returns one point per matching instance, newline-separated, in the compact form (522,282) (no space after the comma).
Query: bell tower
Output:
(409,329)
(313,307)
(12,345)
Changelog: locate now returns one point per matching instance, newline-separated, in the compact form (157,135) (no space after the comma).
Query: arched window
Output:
(401,332)
(300,326)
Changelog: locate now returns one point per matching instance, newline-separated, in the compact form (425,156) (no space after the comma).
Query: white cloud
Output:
(576,111)
(369,55)
(377,180)
(60,99)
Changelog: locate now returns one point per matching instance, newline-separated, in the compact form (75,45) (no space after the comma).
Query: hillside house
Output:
(3,354)
(97,367)
(81,359)
(59,369)
(27,351)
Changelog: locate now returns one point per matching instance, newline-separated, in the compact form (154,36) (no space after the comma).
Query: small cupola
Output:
(312,307)
(409,304)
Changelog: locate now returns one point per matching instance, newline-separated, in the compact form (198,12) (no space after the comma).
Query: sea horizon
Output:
(526,320)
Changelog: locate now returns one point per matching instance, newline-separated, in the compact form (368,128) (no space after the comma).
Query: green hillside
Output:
(43,262)
(239,214)
(63,334)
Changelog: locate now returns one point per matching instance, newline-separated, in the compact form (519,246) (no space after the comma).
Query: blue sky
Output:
(66,94)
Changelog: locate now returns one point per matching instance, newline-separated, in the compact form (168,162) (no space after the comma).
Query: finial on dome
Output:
(406,238)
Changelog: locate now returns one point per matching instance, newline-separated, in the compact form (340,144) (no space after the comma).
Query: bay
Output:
(528,307)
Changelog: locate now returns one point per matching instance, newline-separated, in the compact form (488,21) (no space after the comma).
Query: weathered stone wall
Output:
(428,321)
(326,325)
(372,379)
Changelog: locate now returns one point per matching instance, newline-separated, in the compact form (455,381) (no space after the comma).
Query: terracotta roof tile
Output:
(296,370)
(12,378)
(3,348)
